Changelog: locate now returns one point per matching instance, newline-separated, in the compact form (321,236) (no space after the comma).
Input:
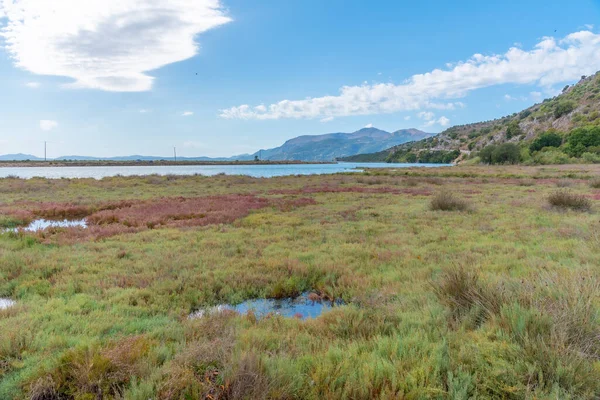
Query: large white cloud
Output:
(105,44)
(548,63)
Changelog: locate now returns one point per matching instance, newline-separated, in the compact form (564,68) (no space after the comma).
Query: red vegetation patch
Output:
(595,196)
(181,212)
(133,216)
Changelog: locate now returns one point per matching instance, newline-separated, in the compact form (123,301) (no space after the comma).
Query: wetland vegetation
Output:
(452,283)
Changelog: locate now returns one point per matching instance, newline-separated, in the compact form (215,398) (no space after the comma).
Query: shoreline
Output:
(100,163)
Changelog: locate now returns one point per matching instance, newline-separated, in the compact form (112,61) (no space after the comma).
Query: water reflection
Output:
(305,306)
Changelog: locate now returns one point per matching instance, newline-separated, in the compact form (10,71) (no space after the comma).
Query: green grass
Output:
(500,302)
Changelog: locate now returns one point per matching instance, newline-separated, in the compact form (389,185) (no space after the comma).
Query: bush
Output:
(595,184)
(513,130)
(549,139)
(506,153)
(564,199)
(447,201)
(551,156)
(486,154)
(564,107)
(591,158)
(582,139)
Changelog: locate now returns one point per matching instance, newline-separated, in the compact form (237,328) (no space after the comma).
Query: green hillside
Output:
(563,129)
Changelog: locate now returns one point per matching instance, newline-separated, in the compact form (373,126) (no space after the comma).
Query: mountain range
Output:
(325,147)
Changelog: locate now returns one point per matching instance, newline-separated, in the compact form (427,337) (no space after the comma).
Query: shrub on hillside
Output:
(513,130)
(581,140)
(595,184)
(548,139)
(564,199)
(447,201)
(564,107)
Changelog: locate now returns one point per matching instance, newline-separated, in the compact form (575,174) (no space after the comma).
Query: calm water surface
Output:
(257,171)
(41,224)
(301,307)
(5,303)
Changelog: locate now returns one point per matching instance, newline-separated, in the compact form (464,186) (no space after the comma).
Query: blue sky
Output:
(119,77)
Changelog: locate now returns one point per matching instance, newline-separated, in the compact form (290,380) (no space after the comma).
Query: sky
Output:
(222,78)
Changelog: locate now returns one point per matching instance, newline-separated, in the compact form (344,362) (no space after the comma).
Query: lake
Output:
(257,171)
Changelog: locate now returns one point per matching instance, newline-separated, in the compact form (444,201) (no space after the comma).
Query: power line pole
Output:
(175,153)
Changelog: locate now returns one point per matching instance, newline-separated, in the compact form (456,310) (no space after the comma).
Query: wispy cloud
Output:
(368,125)
(105,44)
(143,111)
(551,61)
(407,118)
(48,124)
(187,113)
(33,85)
(426,115)
(442,121)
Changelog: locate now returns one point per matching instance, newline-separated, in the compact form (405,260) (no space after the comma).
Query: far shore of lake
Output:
(109,163)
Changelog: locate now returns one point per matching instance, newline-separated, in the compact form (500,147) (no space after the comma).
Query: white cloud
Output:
(443,121)
(48,124)
(508,97)
(327,119)
(33,85)
(187,113)
(143,111)
(589,27)
(426,115)
(105,44)
(369,126)
(550,62)
(407,118)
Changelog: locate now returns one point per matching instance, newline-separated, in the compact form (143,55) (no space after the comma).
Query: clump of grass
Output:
(564,199)
(462,291)
(563,183)
(448,201)
(595,183)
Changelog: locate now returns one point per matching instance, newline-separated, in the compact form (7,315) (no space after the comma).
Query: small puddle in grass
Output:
(302,307)
(41,224)
(6,303)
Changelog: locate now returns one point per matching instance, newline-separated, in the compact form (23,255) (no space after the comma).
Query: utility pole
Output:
(175,153)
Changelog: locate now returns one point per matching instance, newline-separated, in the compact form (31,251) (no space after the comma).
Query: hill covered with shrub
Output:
(563,129)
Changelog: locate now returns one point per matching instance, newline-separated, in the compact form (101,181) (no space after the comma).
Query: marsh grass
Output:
(595,183)
(107,316)
(448,201)
(565,199)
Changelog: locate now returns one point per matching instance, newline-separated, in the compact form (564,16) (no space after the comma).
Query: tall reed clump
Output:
(567,200)
(448,201)
(552,318)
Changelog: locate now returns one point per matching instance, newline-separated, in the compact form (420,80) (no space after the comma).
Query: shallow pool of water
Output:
(300,307)
(6,303)
(41,224)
